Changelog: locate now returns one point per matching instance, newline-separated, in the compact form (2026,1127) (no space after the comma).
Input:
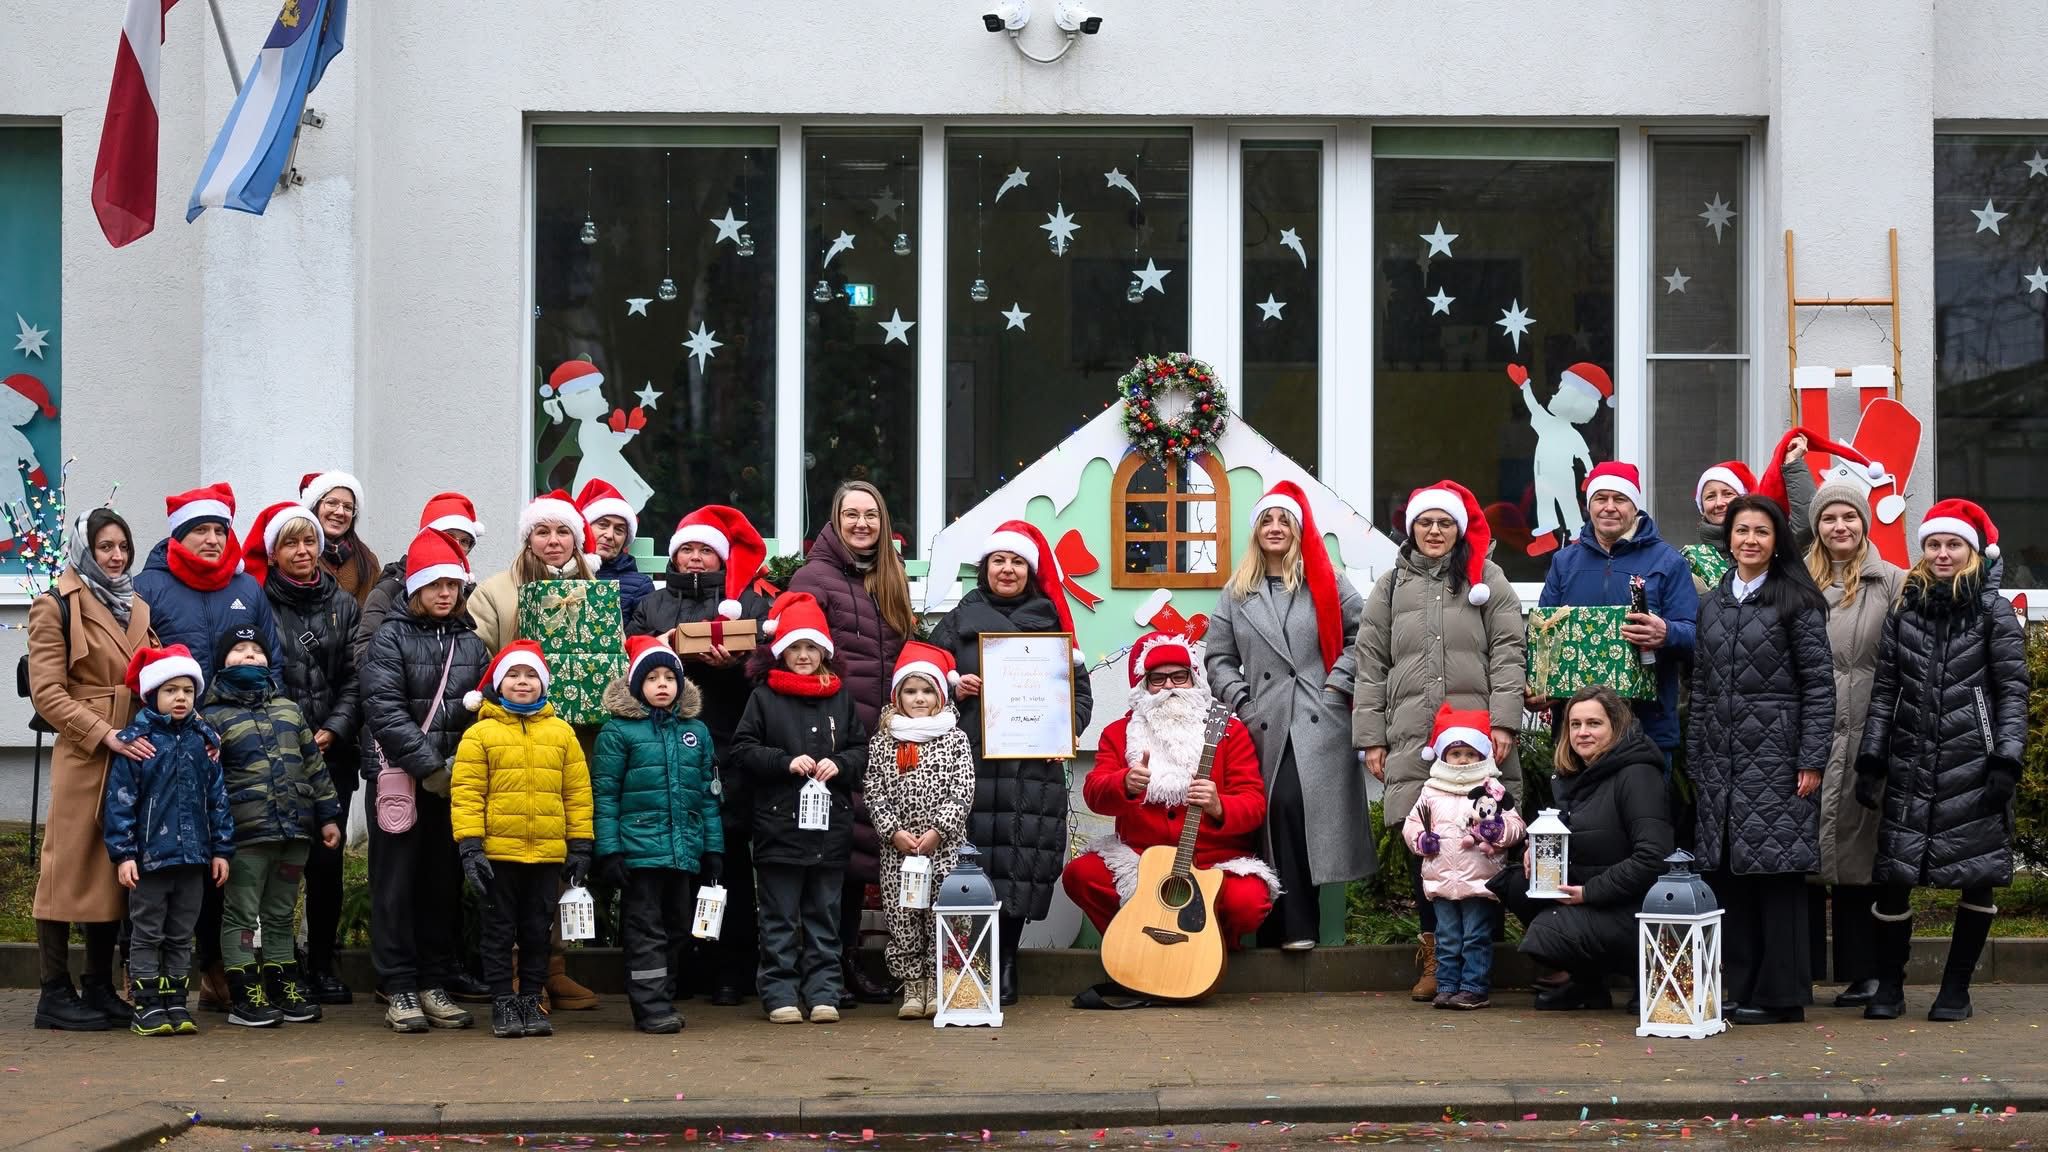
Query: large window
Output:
(1494,252)
(654,259)
(860,321)
(1991,338)
(1281,293)
(1066,259)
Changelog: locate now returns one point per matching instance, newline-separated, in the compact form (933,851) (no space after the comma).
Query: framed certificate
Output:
(1027,696)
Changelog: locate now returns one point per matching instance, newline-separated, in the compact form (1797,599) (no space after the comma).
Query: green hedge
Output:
(2030,810)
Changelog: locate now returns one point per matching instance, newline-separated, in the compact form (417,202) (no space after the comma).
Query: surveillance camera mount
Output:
(1026,53)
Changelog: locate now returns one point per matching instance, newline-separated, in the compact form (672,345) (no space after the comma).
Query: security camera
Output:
(1007,15)
(1072,16)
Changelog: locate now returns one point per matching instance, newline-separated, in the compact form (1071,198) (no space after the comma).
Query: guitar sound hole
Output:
(1176,891)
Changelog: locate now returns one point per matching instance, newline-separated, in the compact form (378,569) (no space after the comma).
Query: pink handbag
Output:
(397,807)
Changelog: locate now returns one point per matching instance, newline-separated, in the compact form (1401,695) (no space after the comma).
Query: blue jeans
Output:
(1464,945)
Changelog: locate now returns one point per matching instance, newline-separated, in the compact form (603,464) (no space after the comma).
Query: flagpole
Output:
(220,28)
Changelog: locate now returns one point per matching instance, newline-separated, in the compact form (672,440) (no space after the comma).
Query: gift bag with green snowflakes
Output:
(578,626)
(1570,648)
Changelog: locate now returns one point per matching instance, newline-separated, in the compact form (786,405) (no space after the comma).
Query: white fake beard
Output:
(1167,726)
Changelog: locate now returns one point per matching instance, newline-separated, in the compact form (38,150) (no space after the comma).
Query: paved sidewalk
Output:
(1344,1058)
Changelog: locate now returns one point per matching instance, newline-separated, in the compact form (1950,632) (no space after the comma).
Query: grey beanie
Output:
(1850,494)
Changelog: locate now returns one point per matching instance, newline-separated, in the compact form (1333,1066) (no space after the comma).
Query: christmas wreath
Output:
(1195,430)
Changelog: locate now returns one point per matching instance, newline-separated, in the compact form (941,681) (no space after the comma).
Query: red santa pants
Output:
(1240,907)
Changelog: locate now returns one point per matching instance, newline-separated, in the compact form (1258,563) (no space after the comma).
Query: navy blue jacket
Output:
(633,583)
(182,614)
(1585,575)
(171,809)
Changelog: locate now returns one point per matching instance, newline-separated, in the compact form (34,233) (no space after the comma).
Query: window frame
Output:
(1171,499)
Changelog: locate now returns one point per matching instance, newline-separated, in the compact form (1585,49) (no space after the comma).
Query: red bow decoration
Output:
(1075,560)
(620,420)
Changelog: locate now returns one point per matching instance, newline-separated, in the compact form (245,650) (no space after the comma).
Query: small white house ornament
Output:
(1549,856)
(916,888)
(813,806)
(710,916)
(578,915)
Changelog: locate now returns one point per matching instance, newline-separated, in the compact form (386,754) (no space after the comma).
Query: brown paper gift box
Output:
(696,637)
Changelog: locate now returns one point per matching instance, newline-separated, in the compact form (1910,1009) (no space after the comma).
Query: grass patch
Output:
(17,885)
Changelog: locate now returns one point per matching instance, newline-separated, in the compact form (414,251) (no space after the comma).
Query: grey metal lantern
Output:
(969,949)
(1678,956)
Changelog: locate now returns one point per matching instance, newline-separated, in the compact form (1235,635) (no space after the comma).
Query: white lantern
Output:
(579,915)
(710,912)
(814,806)
(969,947)
(915,890)
(1550,856)
(1678,956)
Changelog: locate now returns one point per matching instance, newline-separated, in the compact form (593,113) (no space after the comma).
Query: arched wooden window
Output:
(1170,522)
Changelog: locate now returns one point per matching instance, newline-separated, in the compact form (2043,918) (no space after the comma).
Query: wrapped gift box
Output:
(1570,648)
(579,628)
(697,637)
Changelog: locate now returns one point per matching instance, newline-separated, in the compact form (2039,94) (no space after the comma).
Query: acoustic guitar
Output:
(1165,941)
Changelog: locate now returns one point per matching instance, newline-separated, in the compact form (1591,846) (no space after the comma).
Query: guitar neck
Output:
(1191,820)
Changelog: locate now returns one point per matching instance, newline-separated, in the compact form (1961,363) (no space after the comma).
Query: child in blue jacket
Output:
(168,832)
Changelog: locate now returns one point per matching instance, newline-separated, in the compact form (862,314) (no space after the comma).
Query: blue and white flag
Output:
(249,155)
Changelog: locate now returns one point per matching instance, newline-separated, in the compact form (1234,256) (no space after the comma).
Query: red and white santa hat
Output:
(1164,650)
(1614,476)
(1591,377)
(214,504)
(797,616)
(32,390)
(314,487)
(728,532)
(1316,570)
(599,499)
(1457,501)
(434,555)
(1473,729)
(1771,483)
(151,668)
(451,512)
(269,525)
(1024,539)
(517,654)
(572,376)
(929,661)
(1964,518)
(1733,473)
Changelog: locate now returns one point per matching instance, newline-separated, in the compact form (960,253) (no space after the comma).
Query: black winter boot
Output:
(1012,929)
(99,995)
(150,1017)
(175,990)
(59,1009)
(248,1004)
(1894,946)
(1965,946)
(533,1021)
(288,993)
(507,1022)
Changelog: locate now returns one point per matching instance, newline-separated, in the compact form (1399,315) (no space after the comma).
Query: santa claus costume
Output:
(1164,731)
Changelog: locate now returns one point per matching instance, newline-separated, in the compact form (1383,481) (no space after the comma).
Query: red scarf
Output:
(204,575)
(787,683)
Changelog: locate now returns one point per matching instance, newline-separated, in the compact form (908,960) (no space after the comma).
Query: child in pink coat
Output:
(1462,826)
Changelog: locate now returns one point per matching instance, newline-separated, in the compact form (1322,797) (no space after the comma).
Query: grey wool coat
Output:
(1848,830)
(1265,663)
(1421,643)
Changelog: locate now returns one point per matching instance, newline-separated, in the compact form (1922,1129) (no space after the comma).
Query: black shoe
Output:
(1573,997)
(533,1021)
(507,1021)
(848,1001)
(150,1017)
(328,988)
(863,988)
(1750,1014)
(60,1010)
(99,995)
(1887,1003)
(249,1003)
(1951,1007)
(725,996)
(172,992)
(1006,981)
(1857,994)
(467,989)
(289,994)
(660,1024)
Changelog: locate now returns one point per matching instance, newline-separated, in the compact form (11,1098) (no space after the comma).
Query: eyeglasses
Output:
(332,504)
(1185,678)
(1435,524)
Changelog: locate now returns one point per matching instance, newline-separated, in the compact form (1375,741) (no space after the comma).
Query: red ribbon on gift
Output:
(718,632)
(1075,560)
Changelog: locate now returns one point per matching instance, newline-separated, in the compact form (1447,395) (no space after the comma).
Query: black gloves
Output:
(1999,786)
(474,866)
(611,870)
(1870,782)
(710,867)
(576,869)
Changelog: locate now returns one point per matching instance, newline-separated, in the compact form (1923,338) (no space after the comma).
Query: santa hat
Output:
(1854,464)
(263,534)
(1457,501)
(1965,519)
(1614,476)
(1733,473)
(34,392)
(1591,377)
(451,512)
(213,504)
(599,499)
(150,668)
(1316,570)
(572,376)
(1023,538)
(929,661)
(1473,729)
(517,654)
(434,555)
(643,655)
(1165,649)
(314,486)
(797,616)
(556,508)
(728,532)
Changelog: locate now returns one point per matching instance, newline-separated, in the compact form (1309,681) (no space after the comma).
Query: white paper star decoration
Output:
(1152,278)
(1438,241)
(887,204)
(1988,217)
(1514,321)
(2037,280)
(31,340)
(2037,166)
(728,228)
(1675,282)
(1269,308)
(840,243)
(701,344)
(1440,304)
(1061,228)
(648,394)
(1018,178)
(1016,317)
(1117,179)
(896,328)
(1291,238)
(1717,215)
(637,305)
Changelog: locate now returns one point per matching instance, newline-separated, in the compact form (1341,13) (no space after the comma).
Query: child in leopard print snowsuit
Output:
(920,786)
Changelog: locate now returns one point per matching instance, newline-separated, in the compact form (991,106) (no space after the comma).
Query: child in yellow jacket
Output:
(521,810)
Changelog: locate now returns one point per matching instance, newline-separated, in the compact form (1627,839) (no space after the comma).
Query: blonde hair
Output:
(299,526)
(1821,566)
(887,583)
(1922,578)
(1251,569)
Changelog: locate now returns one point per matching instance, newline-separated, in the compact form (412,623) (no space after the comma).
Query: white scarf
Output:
(1167,727)
(921,729)
(1460,779)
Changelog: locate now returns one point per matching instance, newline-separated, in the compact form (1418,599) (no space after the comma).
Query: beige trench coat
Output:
(1848,830)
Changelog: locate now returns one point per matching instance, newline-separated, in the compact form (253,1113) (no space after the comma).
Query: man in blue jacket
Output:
(1619,540)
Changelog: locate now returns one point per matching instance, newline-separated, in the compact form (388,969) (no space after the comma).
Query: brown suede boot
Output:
(214,995)
(565,994)
(1425,959)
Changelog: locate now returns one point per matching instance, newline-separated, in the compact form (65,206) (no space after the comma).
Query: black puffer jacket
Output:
(776,729)
(690,597)
(1763,709)
(398,676)
(386,596)
(1019,821)
(1619,814)
(316,624)
(1947,712)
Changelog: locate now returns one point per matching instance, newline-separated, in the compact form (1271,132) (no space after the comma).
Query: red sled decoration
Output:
(1889,437)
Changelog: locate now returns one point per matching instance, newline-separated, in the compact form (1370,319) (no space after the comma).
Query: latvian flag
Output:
(242,170)
(124,176)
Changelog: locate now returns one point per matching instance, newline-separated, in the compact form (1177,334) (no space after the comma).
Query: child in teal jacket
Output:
(656,790)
